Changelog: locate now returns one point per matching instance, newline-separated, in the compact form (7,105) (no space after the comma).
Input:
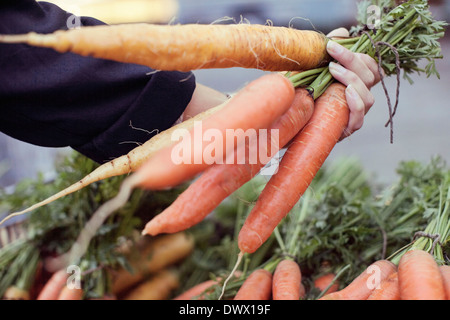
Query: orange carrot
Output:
(70,294)
(304,157)
(190,47)
(362,286)
(258,286)
(445,271)
(256,106)
(53,286)
(324,281)
(125,164)
(221,180)
(196,291)
(388,290)
(419,277)
(244,111)
(287,280)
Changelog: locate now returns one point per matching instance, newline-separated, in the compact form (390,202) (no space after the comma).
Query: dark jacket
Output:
(92,105)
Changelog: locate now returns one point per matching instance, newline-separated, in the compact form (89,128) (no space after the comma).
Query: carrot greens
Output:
(52,230)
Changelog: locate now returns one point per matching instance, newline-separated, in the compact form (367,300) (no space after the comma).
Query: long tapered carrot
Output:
(221,180)
(287,281)
(53,286)
(258,286)
(445,272)
(419,277)
(125,164)
(302,160)
(190,47)
(388,290)
(363,285)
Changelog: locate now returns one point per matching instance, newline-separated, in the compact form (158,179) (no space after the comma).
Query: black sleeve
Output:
(92,105)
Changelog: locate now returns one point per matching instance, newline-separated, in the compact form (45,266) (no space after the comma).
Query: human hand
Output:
(357,71)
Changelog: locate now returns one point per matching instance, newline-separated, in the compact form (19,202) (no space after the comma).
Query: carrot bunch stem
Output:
(409,27)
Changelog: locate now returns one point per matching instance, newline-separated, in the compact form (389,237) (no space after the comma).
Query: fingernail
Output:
(336,68)
(334,47)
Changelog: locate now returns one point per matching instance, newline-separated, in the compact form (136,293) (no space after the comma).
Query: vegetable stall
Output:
(142,227)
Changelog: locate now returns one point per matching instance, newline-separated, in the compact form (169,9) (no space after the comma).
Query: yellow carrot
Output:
(190,47)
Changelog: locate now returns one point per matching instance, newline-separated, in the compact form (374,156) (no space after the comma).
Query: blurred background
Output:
(422,125)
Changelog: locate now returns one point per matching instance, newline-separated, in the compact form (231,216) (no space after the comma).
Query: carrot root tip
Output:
(238,262)
(103,212)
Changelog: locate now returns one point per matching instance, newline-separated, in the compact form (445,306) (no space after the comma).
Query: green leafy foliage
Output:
(409,27)
(344,222)
(52,229)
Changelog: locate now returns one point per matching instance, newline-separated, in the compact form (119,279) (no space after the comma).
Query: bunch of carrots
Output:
(282,283)
(307,108)
(417,277)
(371,224)
(151,276)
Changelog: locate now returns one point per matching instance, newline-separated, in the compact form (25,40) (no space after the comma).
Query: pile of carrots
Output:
(153,276)
(417,277)
(285,283)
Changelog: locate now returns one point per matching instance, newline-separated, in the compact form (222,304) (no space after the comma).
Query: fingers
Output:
(359,72)
(348,77)
(355,62)
(341,32)
(373,67)
(357,111)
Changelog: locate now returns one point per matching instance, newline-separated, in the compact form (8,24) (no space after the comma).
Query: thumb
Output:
(341,32)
